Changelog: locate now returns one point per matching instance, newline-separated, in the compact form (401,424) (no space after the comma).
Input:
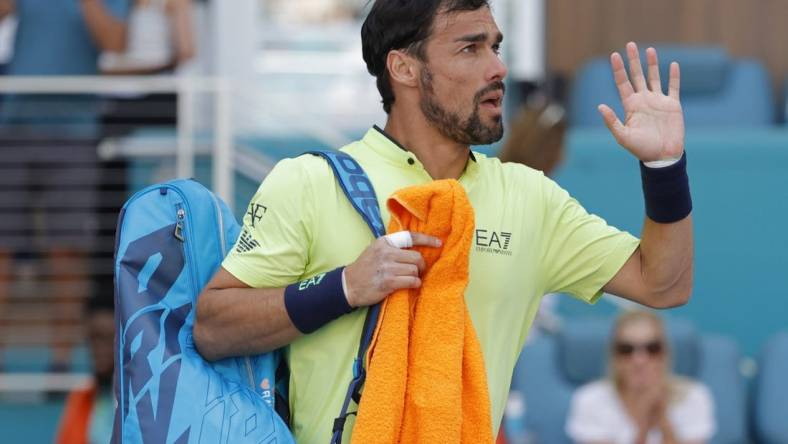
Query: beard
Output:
(468,131)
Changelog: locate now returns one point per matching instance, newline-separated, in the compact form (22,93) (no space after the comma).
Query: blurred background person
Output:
(89,411)
(536,136)
(159,40)
(7,30)
(642,402)
(48,150)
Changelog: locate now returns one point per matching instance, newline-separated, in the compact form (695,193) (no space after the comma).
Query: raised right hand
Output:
(383,269)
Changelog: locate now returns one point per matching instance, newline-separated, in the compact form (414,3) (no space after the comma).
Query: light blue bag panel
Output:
(171,239)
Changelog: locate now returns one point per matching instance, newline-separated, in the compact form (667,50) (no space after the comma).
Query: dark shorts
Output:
(48,190)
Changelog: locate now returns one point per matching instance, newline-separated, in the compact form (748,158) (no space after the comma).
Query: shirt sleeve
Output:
(272,249)
(695,420)
(582,252)
(586,420)
(118,8)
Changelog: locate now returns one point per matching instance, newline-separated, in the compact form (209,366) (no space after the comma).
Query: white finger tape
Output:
(400,239)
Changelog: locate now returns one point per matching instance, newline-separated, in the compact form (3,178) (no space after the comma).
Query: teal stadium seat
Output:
(771,392)
(30,422)
(716,90)
(553,366)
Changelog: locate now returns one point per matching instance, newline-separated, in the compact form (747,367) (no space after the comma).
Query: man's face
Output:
(461,81)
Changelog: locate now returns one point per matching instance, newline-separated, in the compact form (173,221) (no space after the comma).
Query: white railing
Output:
(185,89)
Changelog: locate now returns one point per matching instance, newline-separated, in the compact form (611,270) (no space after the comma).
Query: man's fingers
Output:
(653,70)
(400,269)
(421,239)
(635,68)
(408,239)
(620,76)
(409,257)
(400,239)
(611,120)
(675,81)
(401,282)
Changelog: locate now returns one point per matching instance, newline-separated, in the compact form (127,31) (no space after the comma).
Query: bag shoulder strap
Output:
(361,194)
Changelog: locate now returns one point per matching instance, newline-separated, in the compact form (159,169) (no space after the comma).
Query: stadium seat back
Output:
(716,90)
(552,367)
(771,392)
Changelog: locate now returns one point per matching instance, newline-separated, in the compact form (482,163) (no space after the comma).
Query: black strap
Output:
(281,405)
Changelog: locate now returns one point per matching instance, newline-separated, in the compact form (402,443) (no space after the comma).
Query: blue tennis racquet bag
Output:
(171,238)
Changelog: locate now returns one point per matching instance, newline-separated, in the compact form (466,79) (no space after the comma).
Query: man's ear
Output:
(403,68)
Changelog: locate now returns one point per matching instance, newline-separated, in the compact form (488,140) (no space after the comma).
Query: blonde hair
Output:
(677,385)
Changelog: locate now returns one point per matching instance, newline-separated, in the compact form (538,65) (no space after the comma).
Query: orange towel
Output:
(426,381)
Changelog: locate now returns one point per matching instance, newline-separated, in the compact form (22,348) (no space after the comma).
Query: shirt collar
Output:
(399,145)
(393,152)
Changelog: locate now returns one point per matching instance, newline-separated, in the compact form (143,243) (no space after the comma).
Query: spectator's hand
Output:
(383,269)
(653,127)
(647,407)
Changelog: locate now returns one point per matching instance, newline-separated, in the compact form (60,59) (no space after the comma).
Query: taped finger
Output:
(400,239)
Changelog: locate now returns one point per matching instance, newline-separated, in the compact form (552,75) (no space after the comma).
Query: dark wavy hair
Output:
(405,25)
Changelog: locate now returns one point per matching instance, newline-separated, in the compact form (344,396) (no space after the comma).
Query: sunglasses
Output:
(625,349)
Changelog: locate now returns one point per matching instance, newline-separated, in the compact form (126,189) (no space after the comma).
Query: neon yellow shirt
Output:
(531,238)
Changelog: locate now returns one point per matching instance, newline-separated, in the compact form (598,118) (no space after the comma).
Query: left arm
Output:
(181,19)
(107,31)
(659,272)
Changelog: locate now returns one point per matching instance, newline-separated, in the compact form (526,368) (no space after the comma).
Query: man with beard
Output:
(441,78)
(89,411)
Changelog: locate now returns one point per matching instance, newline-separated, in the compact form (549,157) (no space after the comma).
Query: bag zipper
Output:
(180,226)
(223,242)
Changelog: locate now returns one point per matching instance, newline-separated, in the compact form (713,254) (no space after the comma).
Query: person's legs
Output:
(66,215)
(70,286)
(6,260)
(16,225)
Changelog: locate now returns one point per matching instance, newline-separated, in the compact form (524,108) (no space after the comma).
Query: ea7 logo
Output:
(490,239)
(315,280)
(496,242)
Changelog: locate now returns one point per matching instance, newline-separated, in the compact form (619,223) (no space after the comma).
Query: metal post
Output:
(184,158)
(223,167)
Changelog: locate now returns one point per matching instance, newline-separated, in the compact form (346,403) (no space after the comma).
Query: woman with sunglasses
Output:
(641,402)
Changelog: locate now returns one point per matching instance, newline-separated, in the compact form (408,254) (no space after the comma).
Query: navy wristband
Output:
(314,302)
(666,192)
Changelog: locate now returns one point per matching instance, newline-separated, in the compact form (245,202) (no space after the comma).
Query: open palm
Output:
(653,127)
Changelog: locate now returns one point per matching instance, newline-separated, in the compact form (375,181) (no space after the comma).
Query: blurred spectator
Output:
(536,138)
(641,402)
(160,39)
(7,31)
(89,412)
(48,148)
